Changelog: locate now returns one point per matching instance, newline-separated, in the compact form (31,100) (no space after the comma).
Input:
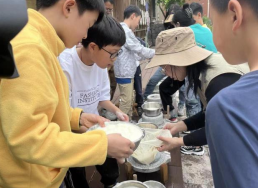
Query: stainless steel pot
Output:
(154,184)
(131,184)
(152,109)
(154,98)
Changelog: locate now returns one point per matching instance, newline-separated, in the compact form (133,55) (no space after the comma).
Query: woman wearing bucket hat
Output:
(183,18)
(169,86)
(179,56)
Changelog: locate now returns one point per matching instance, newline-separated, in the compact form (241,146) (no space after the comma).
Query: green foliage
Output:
(167,3)
(208,22)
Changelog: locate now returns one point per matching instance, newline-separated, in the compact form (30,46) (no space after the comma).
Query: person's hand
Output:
(122,116)
(121,160)
(88,120)
(170,143)
(175,128)
(119,147)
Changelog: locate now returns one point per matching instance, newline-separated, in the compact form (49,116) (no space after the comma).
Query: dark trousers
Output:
(138,81)
(138,86)
(167,88)
(109,172)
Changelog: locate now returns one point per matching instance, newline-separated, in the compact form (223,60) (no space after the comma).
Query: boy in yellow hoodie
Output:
(37,145)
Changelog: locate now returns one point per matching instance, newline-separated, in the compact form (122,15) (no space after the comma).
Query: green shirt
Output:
(204,37)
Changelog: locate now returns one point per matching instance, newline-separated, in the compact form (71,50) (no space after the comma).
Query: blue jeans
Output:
(192,102)
(153,82)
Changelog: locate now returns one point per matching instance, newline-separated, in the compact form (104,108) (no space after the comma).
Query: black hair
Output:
(83,5)
(130,10)
(184,16)
(111,1)
(193,74)
(106,32)
(222,5)
(171,10)
(196,7)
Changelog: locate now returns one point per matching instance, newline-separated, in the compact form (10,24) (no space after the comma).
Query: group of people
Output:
(46,112)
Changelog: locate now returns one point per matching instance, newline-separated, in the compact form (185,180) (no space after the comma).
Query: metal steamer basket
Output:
(154,98)
(131,184)
(152,109)
(136,142)
(161,158)
(154,184)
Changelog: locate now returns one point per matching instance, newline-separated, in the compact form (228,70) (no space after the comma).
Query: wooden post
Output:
(164,173)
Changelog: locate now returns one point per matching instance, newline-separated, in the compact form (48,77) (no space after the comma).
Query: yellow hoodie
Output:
(37,145)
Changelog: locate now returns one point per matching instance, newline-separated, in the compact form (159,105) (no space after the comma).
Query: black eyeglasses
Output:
(113,55)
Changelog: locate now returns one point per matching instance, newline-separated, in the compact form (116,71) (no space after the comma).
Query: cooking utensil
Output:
(147,125)
(152,109)
(116,123)
(154,184)
(154,98)
(131,184)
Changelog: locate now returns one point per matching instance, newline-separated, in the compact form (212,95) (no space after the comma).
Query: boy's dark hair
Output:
(106,32)
(111,1)
(83,5)
(184,16)
(222,5)
(130,10)
(196,7)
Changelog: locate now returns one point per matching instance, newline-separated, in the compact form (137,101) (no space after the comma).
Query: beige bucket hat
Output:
(177,47)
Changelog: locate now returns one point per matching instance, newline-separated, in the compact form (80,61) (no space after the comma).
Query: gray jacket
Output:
(125,66)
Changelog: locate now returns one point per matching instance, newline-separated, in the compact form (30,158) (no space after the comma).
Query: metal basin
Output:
(131,184)
(152,109)
(154,184)
(136,142)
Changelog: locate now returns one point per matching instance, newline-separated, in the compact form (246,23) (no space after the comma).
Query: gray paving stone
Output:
(197,170)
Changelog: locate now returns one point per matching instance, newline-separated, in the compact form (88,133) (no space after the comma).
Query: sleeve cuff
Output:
(75,119)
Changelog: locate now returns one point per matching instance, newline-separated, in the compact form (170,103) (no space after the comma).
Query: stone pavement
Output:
(197,170)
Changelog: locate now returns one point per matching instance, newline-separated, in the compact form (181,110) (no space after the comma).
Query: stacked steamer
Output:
(152,111)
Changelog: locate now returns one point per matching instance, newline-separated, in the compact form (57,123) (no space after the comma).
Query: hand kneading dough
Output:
(146,151)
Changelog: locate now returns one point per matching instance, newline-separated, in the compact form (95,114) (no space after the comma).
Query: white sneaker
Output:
(192,150)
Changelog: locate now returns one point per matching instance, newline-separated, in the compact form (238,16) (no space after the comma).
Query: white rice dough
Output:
(132,133)
(146,151)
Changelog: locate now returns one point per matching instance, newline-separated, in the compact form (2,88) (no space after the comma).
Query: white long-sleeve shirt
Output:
(125,66)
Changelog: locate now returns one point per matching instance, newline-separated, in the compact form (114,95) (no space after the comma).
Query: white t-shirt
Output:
(88,85)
